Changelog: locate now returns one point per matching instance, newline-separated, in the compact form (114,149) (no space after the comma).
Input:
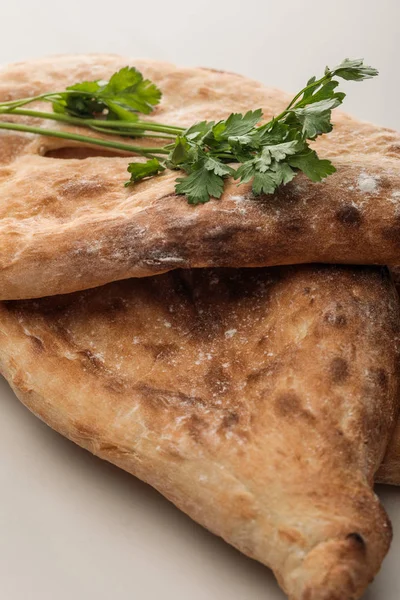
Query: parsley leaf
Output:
(180,153)
(321,92)
(124,95)
(277,152)
(83,105)
(198,130)
(312,166)
(128,92)
(236,125)
(315,118)
(270,155)
(264,183)
(200,185)
(218,167)
(354,70)
(140,171)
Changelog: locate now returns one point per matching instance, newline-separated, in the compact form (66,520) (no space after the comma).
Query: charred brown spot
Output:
(385,182)
(229,420)
(392,232)
(225,242)
(289,405)
(380,378)
(339,370)
(293,225)
(349,215)
(218,379)
(306,291)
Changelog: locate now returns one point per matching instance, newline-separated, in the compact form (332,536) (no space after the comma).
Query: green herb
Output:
(269,155)
(139,171)
(121,98)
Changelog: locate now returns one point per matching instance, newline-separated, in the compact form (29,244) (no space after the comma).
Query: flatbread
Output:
(259,401)
(69,224)
(389,471)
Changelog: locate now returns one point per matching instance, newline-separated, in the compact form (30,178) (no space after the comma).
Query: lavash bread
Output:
(260,402)
(389,471)
(68,224)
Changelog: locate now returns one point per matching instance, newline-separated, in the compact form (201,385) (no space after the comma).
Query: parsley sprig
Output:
(208,152)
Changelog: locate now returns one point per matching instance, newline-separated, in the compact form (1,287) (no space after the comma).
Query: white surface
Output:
(72,527)
(281,43)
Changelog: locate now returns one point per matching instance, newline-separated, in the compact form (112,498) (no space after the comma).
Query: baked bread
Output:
(259,401)
(389,471)
(69,224)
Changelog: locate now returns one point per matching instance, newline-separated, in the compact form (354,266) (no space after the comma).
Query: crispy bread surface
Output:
(68,224)
(259,401)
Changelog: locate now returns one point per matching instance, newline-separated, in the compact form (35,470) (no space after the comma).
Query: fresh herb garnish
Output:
(121,98)
(269,155)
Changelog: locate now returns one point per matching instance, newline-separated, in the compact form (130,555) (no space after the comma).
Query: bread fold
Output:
(68,224)
(259,401)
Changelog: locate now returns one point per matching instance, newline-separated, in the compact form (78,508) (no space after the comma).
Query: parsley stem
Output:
(296,97)
(132,133)
(21,102)
(47,97)
(311,85)
(83,138)
(143,125)
(134,125)
(326,77)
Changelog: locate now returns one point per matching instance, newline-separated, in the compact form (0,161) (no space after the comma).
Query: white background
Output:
(72,527)
(279,42)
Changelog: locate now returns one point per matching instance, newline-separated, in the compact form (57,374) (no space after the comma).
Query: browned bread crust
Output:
(389,471)
(69,224)
(260,402)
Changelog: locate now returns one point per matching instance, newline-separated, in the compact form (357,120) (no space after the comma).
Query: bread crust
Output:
(259,401)
(389,471)
(69,224)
